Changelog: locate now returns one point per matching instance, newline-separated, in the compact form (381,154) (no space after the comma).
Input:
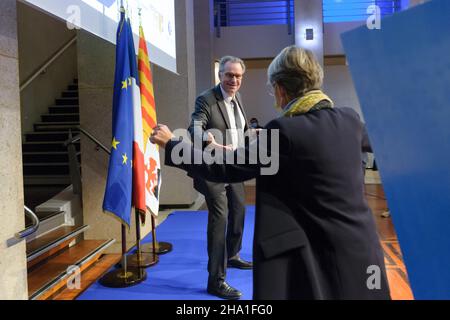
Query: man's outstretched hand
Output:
(212,142)
(161,135)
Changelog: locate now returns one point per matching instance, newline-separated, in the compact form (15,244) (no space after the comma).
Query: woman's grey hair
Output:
(296,70)
(231,59)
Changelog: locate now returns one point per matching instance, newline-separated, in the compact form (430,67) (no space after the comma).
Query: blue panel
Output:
(402,76)
(356,10)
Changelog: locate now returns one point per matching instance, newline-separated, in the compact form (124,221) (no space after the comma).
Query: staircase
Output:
(52,257)
(58,246)
(45,158)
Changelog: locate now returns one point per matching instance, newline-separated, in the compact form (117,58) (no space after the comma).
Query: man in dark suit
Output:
(220,108)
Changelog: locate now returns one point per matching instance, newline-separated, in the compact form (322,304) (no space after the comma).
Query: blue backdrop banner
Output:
(402,76)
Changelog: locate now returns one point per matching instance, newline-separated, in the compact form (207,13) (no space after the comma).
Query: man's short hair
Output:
(231,59)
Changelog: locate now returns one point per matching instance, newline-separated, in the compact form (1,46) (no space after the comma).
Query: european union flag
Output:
(118,192)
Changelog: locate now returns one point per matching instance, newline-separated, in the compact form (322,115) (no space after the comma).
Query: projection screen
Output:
(101,18)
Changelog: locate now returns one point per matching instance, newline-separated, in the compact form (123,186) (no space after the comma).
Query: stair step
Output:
(48,278)
(37,169)
(70,94)
(49,157)
(75,81)
(67,101)
(64,109)
(47,180)
(48,221)
(61,117)
(56,126)
(51,240)
(72,87)
(49,136)
(90,276)
(47,146)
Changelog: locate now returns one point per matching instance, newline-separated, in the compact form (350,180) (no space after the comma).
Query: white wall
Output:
(338,85)
(204,51)
(257,101)
(309,15)
(40,37)
(13,263)
(175,98)
(252,41)
(332,36)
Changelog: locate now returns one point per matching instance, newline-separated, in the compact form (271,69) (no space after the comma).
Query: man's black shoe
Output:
(224,291)
(240,264)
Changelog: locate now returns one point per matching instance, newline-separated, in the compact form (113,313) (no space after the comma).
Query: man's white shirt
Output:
(234,132)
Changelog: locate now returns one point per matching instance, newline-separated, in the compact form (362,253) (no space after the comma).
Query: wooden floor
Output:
(396,271)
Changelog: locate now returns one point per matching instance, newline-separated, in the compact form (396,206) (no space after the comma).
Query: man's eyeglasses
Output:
(230,76)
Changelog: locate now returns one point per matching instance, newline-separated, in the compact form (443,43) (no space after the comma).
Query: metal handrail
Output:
(48,63)
(74,165)
(77,138)
(32,229)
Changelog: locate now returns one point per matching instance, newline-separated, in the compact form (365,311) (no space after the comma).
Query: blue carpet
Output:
(182,274)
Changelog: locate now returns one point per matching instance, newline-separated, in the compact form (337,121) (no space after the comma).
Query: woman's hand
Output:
(161,135)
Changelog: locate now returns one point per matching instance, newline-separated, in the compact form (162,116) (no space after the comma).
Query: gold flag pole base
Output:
(156,247)
(125,276)
(160,248)
(121,279)
(143,260)
(139,259)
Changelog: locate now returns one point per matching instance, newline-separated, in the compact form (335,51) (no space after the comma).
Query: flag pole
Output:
(156,247)
(124,250)
(125,276)
(140,259)
(154,235)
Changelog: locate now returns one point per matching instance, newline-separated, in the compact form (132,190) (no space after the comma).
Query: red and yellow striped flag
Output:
(151,152)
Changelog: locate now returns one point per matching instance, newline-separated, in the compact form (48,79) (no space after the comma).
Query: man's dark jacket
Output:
(211,113)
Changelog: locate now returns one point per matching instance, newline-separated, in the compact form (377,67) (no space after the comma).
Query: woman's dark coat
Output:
(315,236)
